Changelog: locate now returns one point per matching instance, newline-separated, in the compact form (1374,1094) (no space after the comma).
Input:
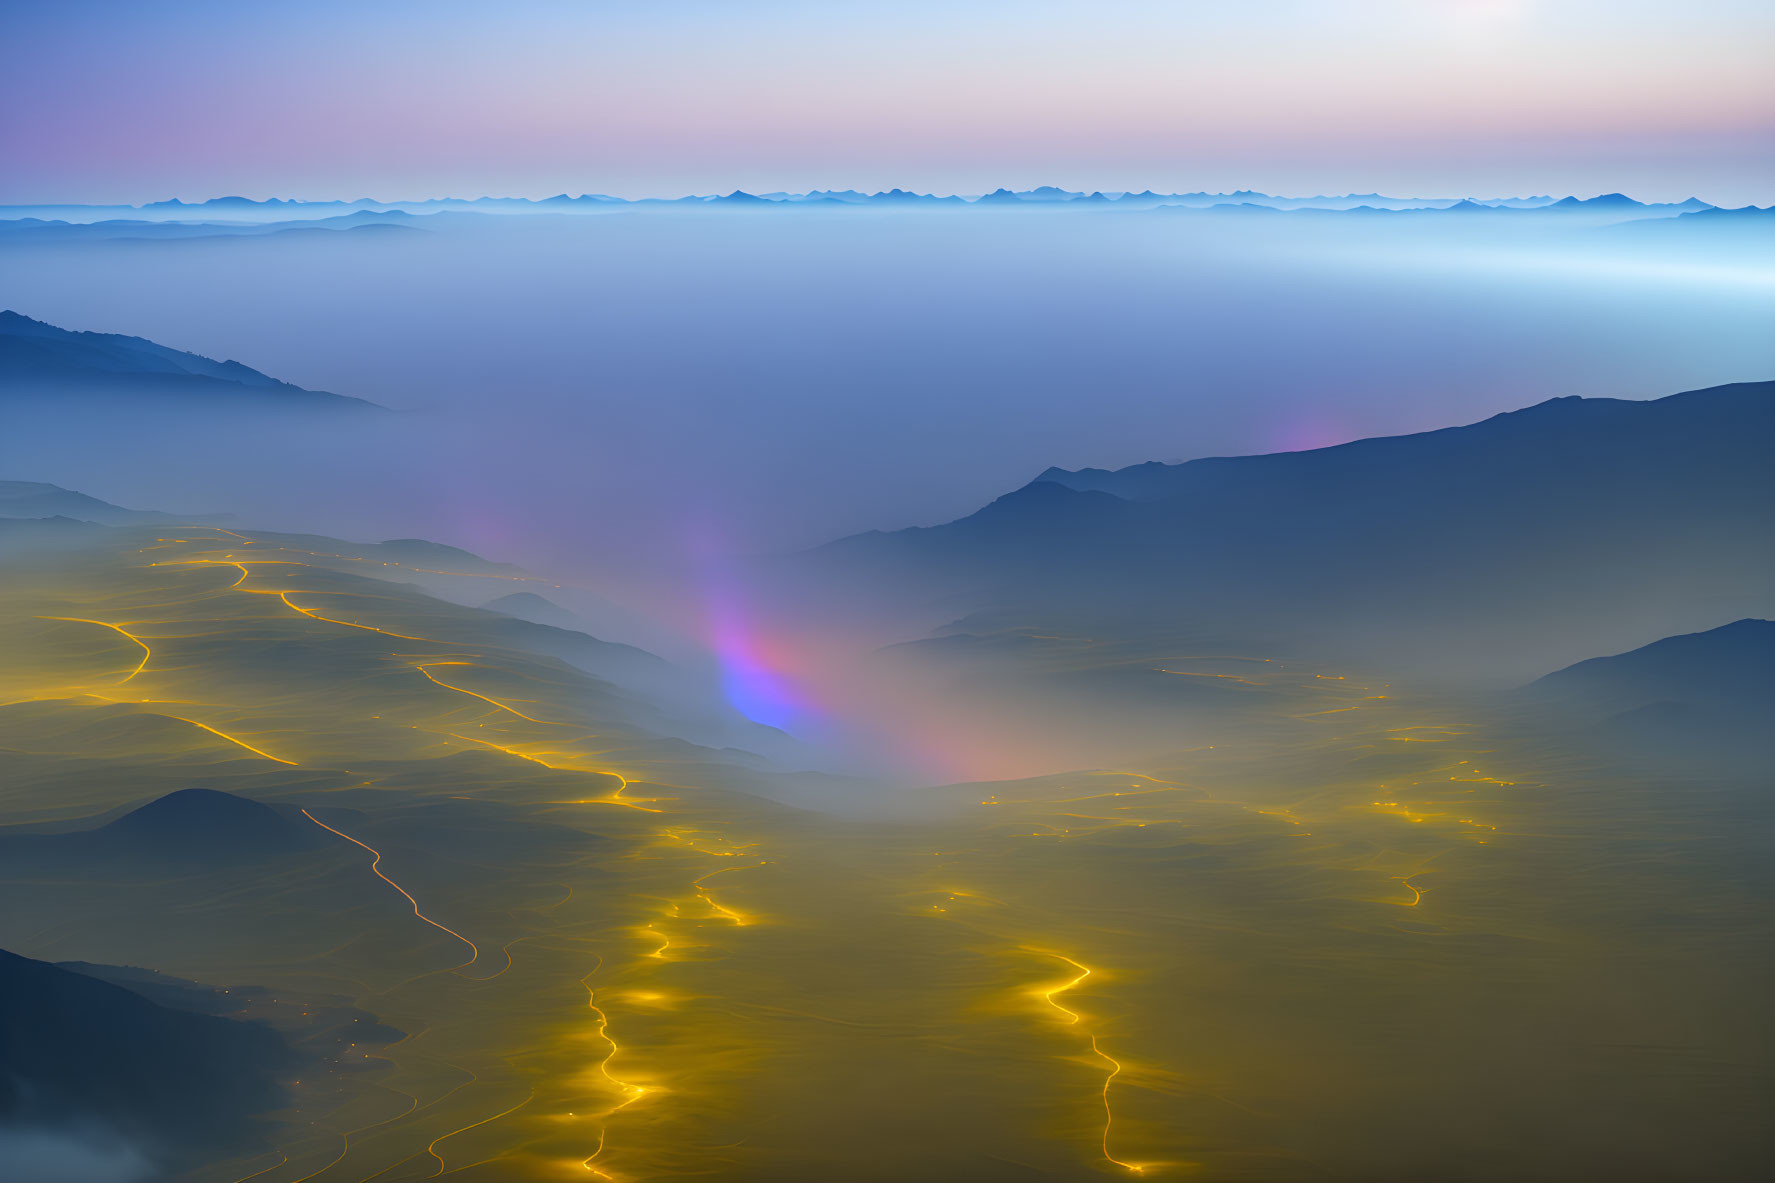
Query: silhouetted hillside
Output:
(1702,700)
(194,829)
(196,822)
(1532,538)
(35,499)
(421,550)
(1733,665)
(38,359)
(534,608)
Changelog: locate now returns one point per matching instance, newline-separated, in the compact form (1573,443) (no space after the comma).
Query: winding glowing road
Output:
(629,1092)
(116,628)
(376,868)
(1072,1018)
(426,668)
(238,743)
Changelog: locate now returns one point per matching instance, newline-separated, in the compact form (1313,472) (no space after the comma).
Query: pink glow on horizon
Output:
(1307,430)
(1462,97)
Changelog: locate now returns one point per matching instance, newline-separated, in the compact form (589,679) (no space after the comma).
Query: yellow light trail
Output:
(313,615)
(684,837)
(231,739)
(740,919)
(1047,996)
(285,594)
(347,1136)
(1072,1019)
(1416,893)
(615,798)
(508,751)
(1189,674)
(1109,1117)
(433,1148)
(116,628)
(1103,796)
(375,866)
(343,1151)
(1395,809)
(630,1092)
(282,1159)
(244,539)
(658,954)
(424,668)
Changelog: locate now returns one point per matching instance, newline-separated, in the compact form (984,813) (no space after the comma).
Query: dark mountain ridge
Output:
(1500,548)
(1696,703)
(41,360)
(1582,429)
(1732,666)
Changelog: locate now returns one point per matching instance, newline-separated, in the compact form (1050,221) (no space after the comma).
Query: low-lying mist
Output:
(632,403)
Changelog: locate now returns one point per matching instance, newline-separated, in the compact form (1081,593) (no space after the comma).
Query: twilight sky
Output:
(127,102)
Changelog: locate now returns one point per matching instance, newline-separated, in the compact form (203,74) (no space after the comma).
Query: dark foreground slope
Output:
(75,1050)
(1506,548)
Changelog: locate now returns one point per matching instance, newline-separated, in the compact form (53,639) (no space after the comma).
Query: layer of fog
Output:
(628,402)
(74,1155)
(598,390)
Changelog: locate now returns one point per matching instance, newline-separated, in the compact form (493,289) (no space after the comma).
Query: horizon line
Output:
(780,196)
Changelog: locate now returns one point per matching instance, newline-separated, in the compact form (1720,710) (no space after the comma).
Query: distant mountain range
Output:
(1501,549)
(221,215)
(1609,208)
(61,230)
(39,360)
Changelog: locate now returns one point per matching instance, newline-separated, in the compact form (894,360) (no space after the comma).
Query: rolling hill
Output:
(190,828)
